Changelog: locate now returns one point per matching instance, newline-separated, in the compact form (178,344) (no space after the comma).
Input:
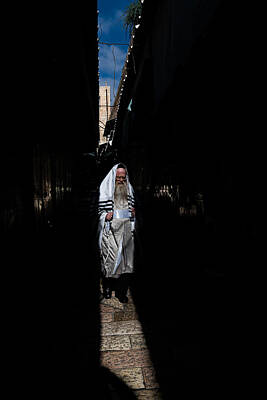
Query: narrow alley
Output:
(178,123)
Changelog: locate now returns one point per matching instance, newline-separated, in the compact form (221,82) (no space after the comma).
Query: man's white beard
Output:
(120,195)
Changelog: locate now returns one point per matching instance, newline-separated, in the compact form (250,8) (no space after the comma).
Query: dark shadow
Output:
(50,276)
(113,388)
(179,288)
(51,280)
(167,292)
(179,294)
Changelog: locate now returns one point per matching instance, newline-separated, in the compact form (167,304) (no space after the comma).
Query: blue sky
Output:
(111,30)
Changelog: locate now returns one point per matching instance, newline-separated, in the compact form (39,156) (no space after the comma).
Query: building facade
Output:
(104,111)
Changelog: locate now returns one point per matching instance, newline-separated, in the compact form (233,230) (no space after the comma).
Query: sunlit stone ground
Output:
(123,348)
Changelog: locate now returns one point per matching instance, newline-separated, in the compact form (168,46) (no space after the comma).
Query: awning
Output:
(110,124)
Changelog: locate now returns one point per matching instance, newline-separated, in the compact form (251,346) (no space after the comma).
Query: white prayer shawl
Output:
(106,204)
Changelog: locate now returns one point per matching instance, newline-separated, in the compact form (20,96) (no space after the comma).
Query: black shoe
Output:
(107,293)
(121,297)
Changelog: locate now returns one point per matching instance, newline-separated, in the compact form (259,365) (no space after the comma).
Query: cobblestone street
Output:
(124,350)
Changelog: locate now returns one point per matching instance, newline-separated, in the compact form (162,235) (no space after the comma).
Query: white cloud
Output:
(117,15)
(110,23)
(105,25)
(107,64)
(107,67)
(111,58)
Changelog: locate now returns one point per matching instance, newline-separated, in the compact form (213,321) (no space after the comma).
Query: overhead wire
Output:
(114,71)
(112,44)
(134,66)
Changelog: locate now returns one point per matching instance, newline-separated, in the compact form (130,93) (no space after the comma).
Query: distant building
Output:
(104,110)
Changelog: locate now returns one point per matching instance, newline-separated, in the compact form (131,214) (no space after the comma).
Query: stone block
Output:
(125,315)
(133,377)
(104,308)
(125,359)
(138,342)
(113,302)
(150,378)
(129,307)
(121,342)
(106,317)
(121,328)
(145,394)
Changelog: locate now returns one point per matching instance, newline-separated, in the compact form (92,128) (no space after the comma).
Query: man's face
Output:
(120,176)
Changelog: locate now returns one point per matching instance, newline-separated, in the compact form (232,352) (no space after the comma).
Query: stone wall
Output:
(104,110)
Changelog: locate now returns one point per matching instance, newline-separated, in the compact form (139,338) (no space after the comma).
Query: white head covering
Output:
(107,188)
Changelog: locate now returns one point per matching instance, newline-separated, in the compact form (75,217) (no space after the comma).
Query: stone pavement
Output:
(123,349)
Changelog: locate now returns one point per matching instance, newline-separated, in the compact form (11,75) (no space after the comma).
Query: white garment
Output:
(117,249)
(116,241)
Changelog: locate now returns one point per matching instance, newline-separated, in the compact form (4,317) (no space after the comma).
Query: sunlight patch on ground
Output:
(123,348)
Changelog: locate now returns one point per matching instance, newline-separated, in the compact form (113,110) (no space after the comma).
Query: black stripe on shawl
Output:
(106,210)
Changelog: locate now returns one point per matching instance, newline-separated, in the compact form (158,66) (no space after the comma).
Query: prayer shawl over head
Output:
(115,235)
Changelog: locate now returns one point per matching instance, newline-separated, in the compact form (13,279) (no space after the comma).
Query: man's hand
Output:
(133,212)
(109,216)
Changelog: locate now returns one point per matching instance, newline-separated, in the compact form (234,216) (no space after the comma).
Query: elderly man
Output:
(116,232)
